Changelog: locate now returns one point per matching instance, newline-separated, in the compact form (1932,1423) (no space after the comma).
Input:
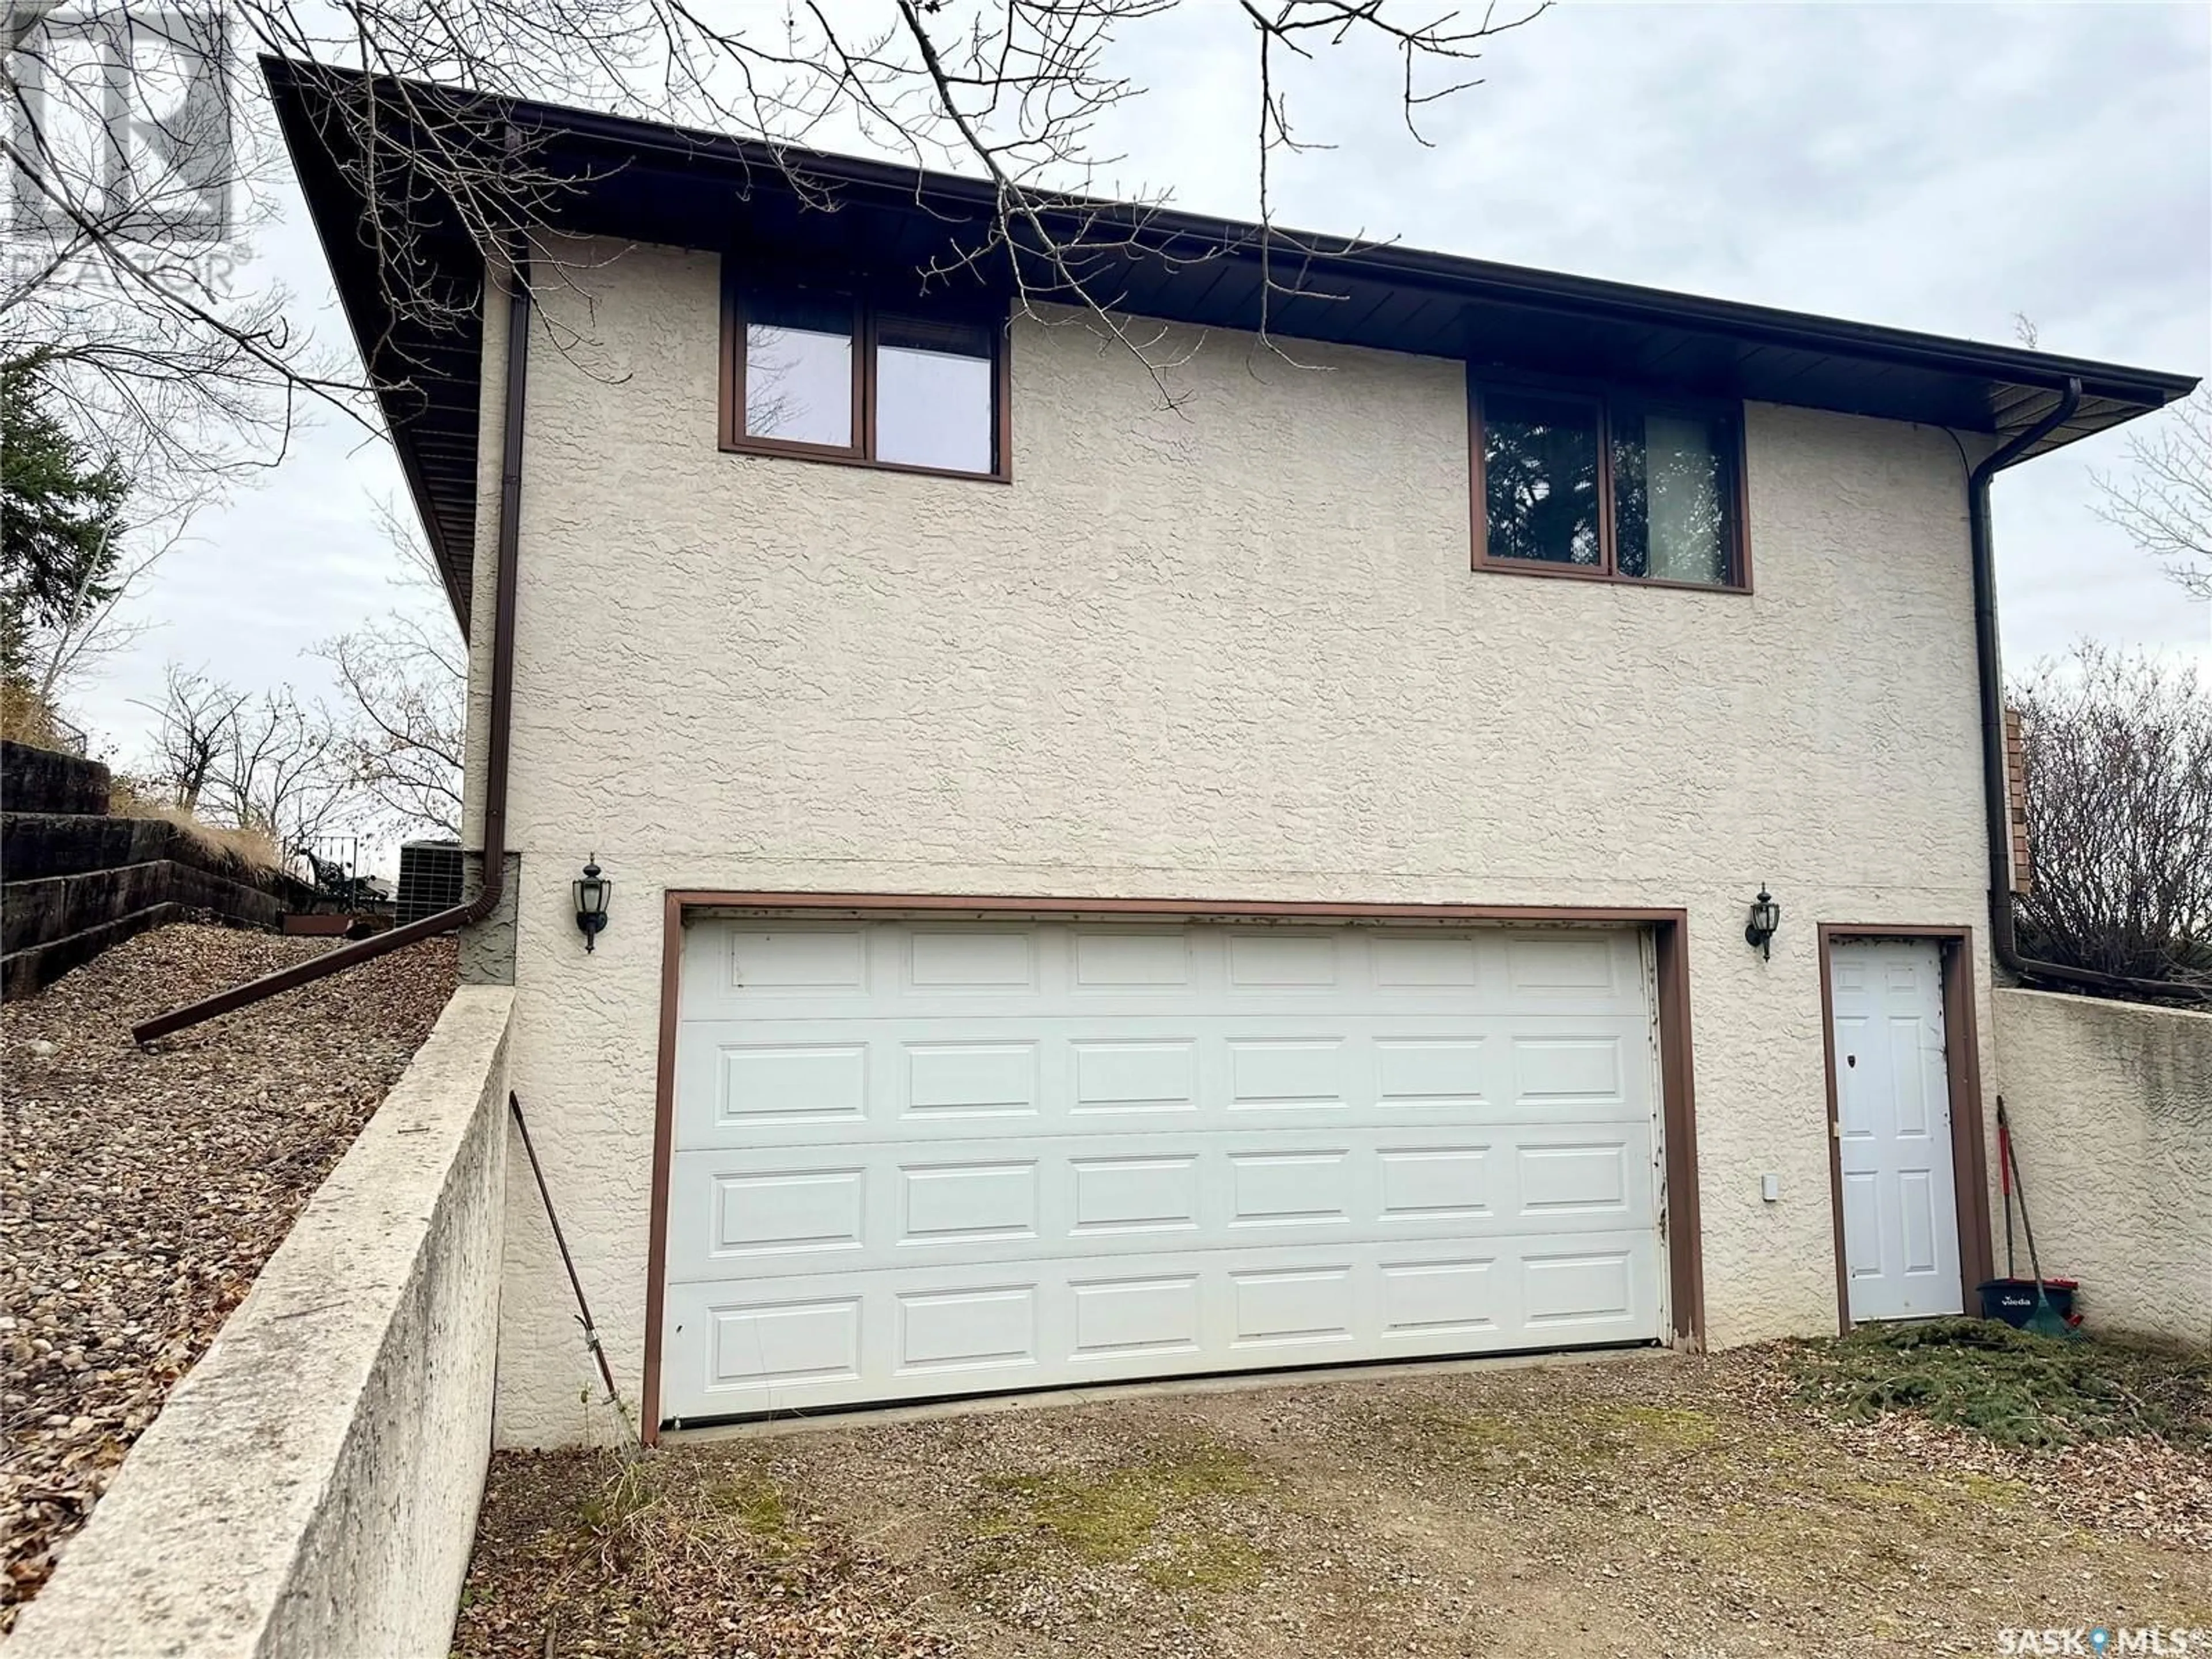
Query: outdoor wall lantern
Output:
(592,891)
(1765,917)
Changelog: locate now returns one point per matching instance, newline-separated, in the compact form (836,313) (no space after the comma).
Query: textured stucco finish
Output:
(312,1487)
(487,946)
(2111,1108)
(1235,652)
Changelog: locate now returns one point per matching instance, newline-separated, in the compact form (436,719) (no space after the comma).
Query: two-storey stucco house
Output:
(1108,890)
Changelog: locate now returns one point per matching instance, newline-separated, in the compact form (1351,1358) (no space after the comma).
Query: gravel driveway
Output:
(143,1190)
(1648,1505)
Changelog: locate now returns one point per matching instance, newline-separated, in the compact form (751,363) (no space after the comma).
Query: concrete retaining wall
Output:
(2111,1111)
(312,1487)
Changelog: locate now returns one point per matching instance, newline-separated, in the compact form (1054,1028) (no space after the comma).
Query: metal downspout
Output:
(503,706)
(2003,944)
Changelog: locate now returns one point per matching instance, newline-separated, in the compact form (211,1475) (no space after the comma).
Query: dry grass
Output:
(26,717)
(132,798)
(675,1557)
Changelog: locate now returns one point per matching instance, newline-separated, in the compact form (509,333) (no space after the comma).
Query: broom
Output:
(2004,1175)
(2045,1321)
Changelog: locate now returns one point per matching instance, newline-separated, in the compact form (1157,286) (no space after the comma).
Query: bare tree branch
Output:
(94,629)
(192,373)
(280,775)
(2119,757)
(399,733)
(2164,501)
(195,721)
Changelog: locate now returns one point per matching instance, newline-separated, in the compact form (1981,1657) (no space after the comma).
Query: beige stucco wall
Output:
(2112,1111)
(1234,651)
(312,1487)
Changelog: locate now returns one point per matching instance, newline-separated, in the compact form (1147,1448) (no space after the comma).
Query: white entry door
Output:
(919,1158)
(1893,1130)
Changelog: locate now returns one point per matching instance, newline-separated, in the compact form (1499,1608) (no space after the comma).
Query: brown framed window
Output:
(822,374)
(1576,483)
(799,371)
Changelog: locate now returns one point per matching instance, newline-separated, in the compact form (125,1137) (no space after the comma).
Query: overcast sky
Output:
(1933,167)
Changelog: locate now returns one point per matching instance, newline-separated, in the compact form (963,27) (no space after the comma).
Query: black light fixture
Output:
(1765,917)
(593,889)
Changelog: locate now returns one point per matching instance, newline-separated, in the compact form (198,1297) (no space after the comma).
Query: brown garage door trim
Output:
(1670,939)
(1962,1070)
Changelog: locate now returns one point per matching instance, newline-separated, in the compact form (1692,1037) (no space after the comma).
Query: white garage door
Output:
(915,1159)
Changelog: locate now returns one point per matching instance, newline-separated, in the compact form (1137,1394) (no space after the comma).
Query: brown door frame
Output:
(1962,1072)
(1670,930)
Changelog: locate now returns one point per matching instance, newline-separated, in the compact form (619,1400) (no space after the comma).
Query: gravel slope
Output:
(144,1190)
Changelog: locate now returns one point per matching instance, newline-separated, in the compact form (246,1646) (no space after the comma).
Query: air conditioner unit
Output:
(430,879)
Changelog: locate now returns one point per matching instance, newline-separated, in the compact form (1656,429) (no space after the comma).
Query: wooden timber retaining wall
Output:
(75,881)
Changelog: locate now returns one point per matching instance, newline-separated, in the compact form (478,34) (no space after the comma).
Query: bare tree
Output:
(401,739)
(136,168)
(164,347)
(281,774)
(265,764)
(195,726)
(95,626)
(400,726)
(2164,499)
(2117,753)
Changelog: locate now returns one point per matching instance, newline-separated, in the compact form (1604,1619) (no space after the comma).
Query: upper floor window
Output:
(830,375)
(1576,483)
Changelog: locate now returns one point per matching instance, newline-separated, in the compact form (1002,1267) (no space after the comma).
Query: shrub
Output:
(2013,1387)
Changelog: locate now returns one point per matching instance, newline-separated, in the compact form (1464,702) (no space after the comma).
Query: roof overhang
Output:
(645,182)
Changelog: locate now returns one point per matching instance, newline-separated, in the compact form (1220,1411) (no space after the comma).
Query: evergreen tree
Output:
(60,519)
